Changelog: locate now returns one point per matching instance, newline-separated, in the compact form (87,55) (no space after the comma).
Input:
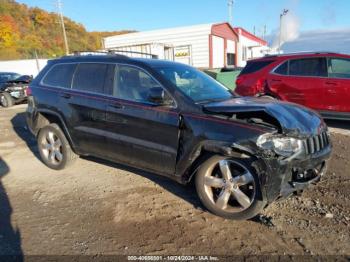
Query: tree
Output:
(24,31)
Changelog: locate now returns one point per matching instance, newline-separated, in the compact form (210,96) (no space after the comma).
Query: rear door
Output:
(86,107)
(337,86)
(303,83)
(141,133)
(277,82)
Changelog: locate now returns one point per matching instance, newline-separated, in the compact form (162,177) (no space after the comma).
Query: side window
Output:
(134,84)
(90,77)
(339,68)
(308,67)
(60,75)
(282,69)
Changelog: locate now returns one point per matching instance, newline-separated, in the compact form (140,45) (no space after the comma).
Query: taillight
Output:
(29,91)
(239,81)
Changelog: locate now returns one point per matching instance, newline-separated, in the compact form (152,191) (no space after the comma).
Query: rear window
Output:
(254,66)
(282,69)
(60,75)
(308,67)
(90,77)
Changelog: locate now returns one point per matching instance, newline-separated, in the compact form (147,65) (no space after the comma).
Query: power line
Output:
(60,14)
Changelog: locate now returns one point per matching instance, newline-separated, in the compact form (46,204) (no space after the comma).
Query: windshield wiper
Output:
(205,101)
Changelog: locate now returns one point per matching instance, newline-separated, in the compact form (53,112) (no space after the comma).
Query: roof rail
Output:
(114,52)
(146,55)
(91,53)
(301,52)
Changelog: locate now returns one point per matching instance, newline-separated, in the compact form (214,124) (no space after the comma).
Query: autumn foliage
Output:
(25,31)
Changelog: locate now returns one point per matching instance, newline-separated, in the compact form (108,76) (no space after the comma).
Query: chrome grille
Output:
(316,143)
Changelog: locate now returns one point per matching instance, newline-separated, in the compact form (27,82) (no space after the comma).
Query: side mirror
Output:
(156,95)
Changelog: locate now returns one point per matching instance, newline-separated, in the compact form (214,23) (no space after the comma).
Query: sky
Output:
(109,15)
(313,20)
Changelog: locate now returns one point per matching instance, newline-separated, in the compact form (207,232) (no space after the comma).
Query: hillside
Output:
(25,30)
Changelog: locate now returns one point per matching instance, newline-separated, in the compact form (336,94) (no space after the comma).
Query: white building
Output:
(249,46)
(213,45)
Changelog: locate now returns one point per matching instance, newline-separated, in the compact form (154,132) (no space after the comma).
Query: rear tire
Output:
(6,100)
(55,150)
(239,199)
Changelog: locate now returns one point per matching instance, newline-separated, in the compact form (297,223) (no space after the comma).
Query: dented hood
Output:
(294,119)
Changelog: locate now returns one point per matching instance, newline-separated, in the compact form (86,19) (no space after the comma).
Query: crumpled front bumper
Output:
(282,178)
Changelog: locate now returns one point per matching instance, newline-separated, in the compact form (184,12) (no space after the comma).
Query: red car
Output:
(320,81)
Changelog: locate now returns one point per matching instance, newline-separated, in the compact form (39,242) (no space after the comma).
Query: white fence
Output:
(23,67)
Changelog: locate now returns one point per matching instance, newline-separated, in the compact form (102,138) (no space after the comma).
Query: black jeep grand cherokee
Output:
(173,120)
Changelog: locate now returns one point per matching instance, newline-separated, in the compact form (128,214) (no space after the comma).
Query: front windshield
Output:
(5,77)
(195,84)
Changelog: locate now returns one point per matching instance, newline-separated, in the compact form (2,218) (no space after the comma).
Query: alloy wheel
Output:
(230,186)
(51,147)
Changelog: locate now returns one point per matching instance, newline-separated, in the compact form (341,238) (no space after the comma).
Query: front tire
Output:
(6,100)
(229,188)
(54,149)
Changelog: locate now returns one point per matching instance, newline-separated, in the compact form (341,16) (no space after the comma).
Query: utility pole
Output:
(37,61)
(284,12)
(59,6)
(230,7)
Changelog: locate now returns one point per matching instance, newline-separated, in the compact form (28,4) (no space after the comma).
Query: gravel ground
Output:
(97,207)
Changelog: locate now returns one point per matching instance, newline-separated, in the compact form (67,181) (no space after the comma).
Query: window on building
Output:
(308,67)
(60,75)
(339,68)
(244,53)
(231,59)
(90,77)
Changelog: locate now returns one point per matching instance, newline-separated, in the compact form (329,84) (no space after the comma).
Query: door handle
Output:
(331,83)
(66,95)
(331,91)
(276,80)
(116,106)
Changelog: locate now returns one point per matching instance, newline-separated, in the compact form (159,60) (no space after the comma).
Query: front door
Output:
(141,133)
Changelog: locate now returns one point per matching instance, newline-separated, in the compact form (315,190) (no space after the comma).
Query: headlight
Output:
(284,146)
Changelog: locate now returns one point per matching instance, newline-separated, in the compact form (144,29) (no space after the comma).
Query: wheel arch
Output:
(45,117)
(210,148)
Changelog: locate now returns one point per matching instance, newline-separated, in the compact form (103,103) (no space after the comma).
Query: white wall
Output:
(23,67)
(196,36)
